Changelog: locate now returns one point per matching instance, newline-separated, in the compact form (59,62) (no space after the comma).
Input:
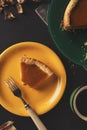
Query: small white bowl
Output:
(73,100)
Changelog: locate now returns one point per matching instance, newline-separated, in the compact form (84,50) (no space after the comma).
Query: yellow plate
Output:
(41,100)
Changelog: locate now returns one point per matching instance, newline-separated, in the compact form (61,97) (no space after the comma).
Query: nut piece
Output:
(8,15)
(19,8)
(20,1)
(3,3)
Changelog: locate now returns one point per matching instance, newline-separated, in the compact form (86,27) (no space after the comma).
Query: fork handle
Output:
(35,118)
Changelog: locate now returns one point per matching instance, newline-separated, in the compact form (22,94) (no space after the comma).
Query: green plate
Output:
(71,44)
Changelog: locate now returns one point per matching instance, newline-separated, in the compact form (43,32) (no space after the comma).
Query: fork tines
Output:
(11,84)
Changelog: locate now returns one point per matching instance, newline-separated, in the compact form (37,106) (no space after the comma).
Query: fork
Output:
(17,92)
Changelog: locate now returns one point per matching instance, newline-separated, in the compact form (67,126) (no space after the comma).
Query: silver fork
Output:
(16,91)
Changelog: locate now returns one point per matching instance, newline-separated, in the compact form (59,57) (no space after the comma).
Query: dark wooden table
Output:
(29,27)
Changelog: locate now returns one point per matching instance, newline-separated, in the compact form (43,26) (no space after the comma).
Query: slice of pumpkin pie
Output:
(34,72)
(75,15)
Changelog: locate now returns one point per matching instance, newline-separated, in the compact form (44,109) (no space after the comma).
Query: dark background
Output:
(29,27)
